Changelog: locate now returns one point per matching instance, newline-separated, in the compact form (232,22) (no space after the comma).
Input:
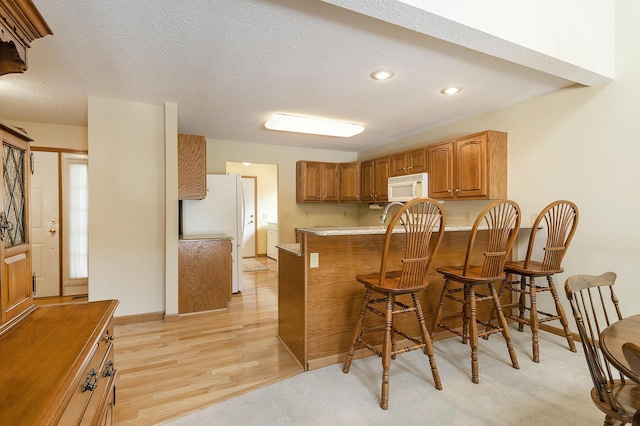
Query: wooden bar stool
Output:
(500,220)
(560,220)
(423,221)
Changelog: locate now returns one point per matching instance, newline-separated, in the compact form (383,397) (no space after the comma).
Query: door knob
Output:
(52,231)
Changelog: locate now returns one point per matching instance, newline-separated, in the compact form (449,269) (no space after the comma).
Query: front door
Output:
(45,235)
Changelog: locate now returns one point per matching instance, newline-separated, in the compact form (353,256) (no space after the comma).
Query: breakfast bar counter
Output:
(319,298)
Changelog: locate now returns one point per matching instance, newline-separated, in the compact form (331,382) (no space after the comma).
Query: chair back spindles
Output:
(502,221)
(595,306)
(420,220)
(560,219)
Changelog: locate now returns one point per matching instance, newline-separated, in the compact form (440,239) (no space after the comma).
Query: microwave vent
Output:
(418,177)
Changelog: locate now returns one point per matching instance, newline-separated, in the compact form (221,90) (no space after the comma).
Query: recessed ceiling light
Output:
(312,125)
(246,164)
(451,90)
(382,75)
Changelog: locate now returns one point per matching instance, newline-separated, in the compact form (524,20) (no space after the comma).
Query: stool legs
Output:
(470,331)
(428,344)
(470,297)
(561,314)
(504,326)
(533,318)
(356,332)
(386,352)
(389,350)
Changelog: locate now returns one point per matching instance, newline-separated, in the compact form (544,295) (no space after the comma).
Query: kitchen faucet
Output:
(383,217)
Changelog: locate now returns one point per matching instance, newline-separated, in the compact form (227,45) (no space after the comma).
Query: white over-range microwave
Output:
(408,187)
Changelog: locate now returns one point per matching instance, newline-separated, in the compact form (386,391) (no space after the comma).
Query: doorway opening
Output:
(265,177)
(59,223)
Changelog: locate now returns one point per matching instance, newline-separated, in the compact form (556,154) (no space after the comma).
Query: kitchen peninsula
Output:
(319,298)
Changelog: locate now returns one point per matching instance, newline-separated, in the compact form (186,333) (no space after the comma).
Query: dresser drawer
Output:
(103,396)
(83,391)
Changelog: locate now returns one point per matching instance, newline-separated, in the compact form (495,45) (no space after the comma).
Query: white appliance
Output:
(221,212)
(408,187)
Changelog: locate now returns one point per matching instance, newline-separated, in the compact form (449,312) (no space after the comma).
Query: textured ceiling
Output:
(230,64)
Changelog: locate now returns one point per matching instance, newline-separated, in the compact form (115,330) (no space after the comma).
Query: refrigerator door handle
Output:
(242,207)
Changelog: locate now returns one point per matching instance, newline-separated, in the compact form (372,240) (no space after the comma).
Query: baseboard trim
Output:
(132,319)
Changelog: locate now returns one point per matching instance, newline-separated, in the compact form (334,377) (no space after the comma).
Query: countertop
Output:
(370,230)
(204,237)
(325,231)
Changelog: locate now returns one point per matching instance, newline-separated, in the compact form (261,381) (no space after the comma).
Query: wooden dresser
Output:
(58,366)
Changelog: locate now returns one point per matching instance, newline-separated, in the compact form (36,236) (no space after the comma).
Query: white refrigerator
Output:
(221,212)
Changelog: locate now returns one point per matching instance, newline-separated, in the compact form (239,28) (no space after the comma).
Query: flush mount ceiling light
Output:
(451,90)
(382,75)
(312,125)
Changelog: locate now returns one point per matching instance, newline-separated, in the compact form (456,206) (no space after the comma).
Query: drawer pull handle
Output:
(92,381)
(108,338)
(109,369)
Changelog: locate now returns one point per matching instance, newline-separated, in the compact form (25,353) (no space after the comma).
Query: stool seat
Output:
(423,221)
(473,274)
(390,284)
(535,269)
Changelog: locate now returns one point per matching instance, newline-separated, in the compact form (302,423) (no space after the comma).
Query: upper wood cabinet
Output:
(192,167)
(16,283)
(316,181)
(375,174)
(407,163)
(20,24)
(349,178)
(473,167)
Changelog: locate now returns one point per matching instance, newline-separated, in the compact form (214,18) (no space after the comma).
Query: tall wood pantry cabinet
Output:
(57,360)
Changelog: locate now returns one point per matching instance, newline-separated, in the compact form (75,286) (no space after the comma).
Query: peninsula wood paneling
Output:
(334,297)
(291,303)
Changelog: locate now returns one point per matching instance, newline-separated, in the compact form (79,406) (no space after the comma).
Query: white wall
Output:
(54,135)
(127,205)
(560,29)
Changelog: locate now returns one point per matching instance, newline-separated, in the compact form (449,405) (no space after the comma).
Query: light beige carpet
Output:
(252,265)
(553,392)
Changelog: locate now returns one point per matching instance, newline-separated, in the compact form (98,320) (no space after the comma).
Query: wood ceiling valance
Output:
(20,24)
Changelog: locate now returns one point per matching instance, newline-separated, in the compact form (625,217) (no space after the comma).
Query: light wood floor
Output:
(167,370)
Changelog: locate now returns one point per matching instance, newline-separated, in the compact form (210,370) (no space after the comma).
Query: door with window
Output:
(59,219)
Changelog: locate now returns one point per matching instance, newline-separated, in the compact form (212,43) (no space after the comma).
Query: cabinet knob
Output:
(457,189)
(449,191)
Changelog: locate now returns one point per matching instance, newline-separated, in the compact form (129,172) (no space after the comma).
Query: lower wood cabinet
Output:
(59,366)
(204,274)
